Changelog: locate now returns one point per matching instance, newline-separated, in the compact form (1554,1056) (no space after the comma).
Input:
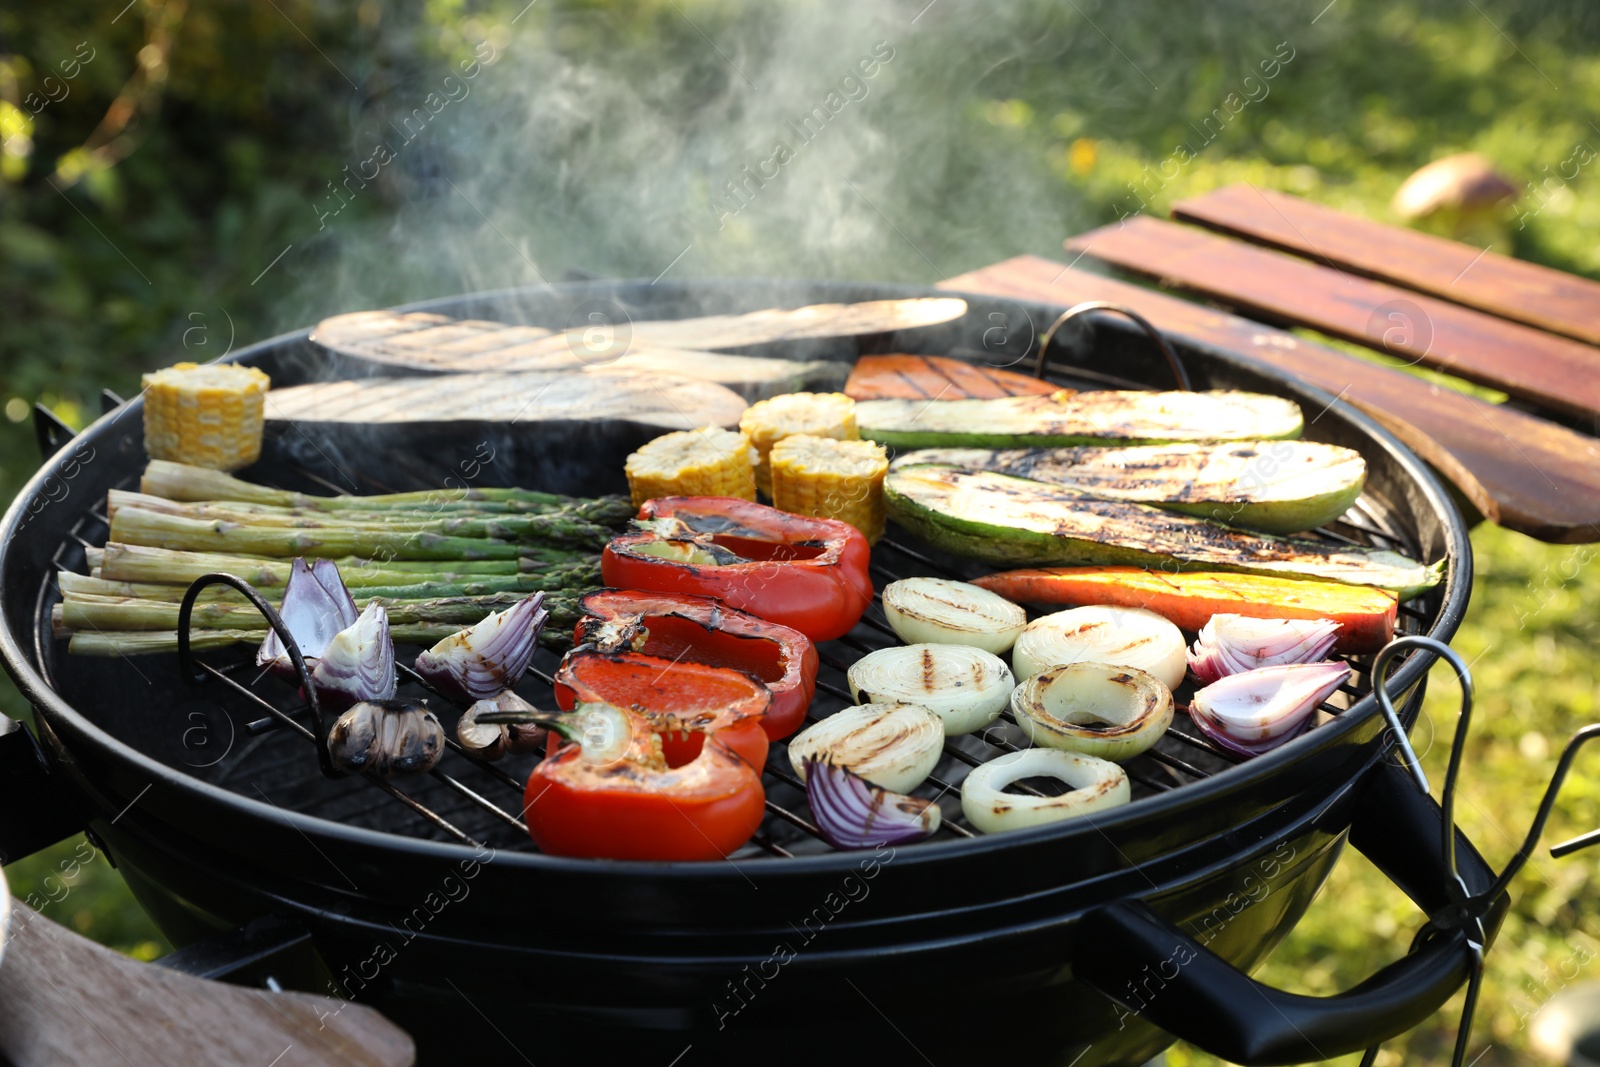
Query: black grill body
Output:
(958,948)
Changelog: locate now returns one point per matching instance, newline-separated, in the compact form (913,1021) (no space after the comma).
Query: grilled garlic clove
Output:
(491,741)
(1233,644)
(479,662)
(358,663)
(316,606)
(387,738)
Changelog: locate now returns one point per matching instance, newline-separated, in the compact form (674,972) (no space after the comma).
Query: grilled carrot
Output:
(903,377)
(1366,616)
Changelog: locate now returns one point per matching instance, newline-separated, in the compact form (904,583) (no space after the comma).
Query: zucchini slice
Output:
(1276,486)
(1066,418)
(1010,521)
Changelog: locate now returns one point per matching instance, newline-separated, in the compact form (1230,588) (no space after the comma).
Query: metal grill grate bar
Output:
(415,805)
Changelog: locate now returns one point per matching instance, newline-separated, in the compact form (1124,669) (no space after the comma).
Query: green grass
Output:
(1529,638)
(595,144)
(74,884)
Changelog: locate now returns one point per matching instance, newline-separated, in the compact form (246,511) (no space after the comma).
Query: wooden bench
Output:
(1518,328)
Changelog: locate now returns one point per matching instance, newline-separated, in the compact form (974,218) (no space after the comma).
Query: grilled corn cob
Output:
(833,479)
(206,415)
(706,462)
(819,414)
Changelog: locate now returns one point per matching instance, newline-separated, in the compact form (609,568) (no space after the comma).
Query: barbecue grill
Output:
(1094,941)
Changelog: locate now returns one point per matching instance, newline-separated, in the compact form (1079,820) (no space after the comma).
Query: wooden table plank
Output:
(1518,470)
(1553,372)
(1513,289)
(65,999)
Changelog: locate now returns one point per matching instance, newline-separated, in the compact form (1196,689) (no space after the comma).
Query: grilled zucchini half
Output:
(1065,418)
(1274,486)
(1013,521)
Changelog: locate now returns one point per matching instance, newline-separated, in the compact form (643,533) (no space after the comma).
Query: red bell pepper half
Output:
(806,573)
(684,702)
(630,805)
(698,629)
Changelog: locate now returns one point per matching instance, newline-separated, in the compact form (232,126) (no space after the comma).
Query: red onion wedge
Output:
(853,813)
(480,661)
(1233,644)
(358,664)
(315,607)
(1257,711)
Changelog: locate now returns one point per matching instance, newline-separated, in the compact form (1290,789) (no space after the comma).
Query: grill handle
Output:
(1180,376)
(38,810)
(1212,1004)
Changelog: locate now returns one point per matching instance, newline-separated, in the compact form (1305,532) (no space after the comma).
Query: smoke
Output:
(818,140)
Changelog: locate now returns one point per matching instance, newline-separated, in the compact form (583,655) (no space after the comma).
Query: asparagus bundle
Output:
(138,563)
(436,560)
(603,512)
(151,642)
(179,481)
(123,613)
(389,585)
(441,540)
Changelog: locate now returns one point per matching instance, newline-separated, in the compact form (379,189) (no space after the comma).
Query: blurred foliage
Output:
(160,200)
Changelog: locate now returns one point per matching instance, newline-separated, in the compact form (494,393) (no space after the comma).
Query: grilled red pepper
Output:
(698,629)
(684,702)
(626,803)
(802,572)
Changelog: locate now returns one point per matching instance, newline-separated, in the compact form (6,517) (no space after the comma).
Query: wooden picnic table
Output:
(1273,261)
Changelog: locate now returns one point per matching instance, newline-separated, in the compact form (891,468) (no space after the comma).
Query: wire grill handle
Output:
(1466,912)
(1179,374)
(186,664)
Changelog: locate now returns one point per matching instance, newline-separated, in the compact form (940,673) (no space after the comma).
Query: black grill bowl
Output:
(950,950)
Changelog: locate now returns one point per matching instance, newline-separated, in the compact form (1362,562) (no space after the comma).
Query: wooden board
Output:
(1513,289)
(784,324)
(904,377)
(66,1000)
(420,331)
(1554,372)
(1518,470)
(423,341)
(653,399)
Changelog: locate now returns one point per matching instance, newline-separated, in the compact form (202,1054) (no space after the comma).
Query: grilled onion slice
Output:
(1100,633)
(1097,785)
(894,746)
(944,612)
(1114,713)
(966,687)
